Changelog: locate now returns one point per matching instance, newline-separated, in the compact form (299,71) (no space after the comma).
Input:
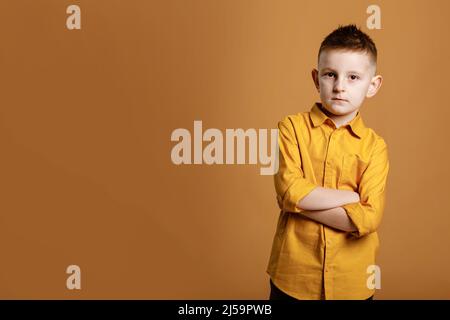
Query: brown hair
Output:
(349,37)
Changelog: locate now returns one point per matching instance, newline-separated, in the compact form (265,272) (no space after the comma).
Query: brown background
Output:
(86,117)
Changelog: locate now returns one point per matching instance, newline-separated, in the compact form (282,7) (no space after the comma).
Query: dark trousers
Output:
(277,294)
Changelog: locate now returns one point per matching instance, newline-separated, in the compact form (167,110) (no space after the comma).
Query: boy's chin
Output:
(339,108)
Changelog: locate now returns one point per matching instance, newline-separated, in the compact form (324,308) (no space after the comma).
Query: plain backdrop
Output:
(86,116)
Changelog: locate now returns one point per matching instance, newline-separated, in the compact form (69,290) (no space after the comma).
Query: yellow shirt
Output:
(310,260)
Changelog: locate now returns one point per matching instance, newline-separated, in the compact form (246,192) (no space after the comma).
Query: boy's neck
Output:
(339,120)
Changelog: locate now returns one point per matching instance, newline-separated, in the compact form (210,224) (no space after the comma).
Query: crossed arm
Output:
(324,205)
(359,212)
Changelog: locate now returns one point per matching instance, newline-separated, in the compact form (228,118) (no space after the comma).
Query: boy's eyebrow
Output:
(351,71)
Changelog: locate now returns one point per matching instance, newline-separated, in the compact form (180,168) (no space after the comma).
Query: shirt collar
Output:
(318,117)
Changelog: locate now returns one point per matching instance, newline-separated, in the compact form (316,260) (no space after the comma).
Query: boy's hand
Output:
(354,197)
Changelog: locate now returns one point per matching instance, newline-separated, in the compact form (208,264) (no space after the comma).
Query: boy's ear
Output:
(315,77)
(374,86)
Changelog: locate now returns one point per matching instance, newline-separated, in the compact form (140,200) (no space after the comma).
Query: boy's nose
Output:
(339,85)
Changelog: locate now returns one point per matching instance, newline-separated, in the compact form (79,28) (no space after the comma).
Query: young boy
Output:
(331,181)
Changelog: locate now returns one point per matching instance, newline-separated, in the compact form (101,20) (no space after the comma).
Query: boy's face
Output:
(344,79)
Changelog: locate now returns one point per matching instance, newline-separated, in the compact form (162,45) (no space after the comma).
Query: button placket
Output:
(328,174)
(328,183)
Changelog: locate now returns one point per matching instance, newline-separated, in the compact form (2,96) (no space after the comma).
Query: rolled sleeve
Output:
(366,215)
(290,184)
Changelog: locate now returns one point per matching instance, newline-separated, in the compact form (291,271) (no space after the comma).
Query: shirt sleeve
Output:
(366,214)
(290,184)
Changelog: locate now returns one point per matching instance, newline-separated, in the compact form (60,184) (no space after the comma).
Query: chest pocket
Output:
(352,169)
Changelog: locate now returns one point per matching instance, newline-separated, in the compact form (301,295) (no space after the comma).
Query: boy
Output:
(331,180)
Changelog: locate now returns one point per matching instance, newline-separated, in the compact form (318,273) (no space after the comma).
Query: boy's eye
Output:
(329,74)
(353,77)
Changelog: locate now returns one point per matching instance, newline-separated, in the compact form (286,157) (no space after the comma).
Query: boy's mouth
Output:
(338,99)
